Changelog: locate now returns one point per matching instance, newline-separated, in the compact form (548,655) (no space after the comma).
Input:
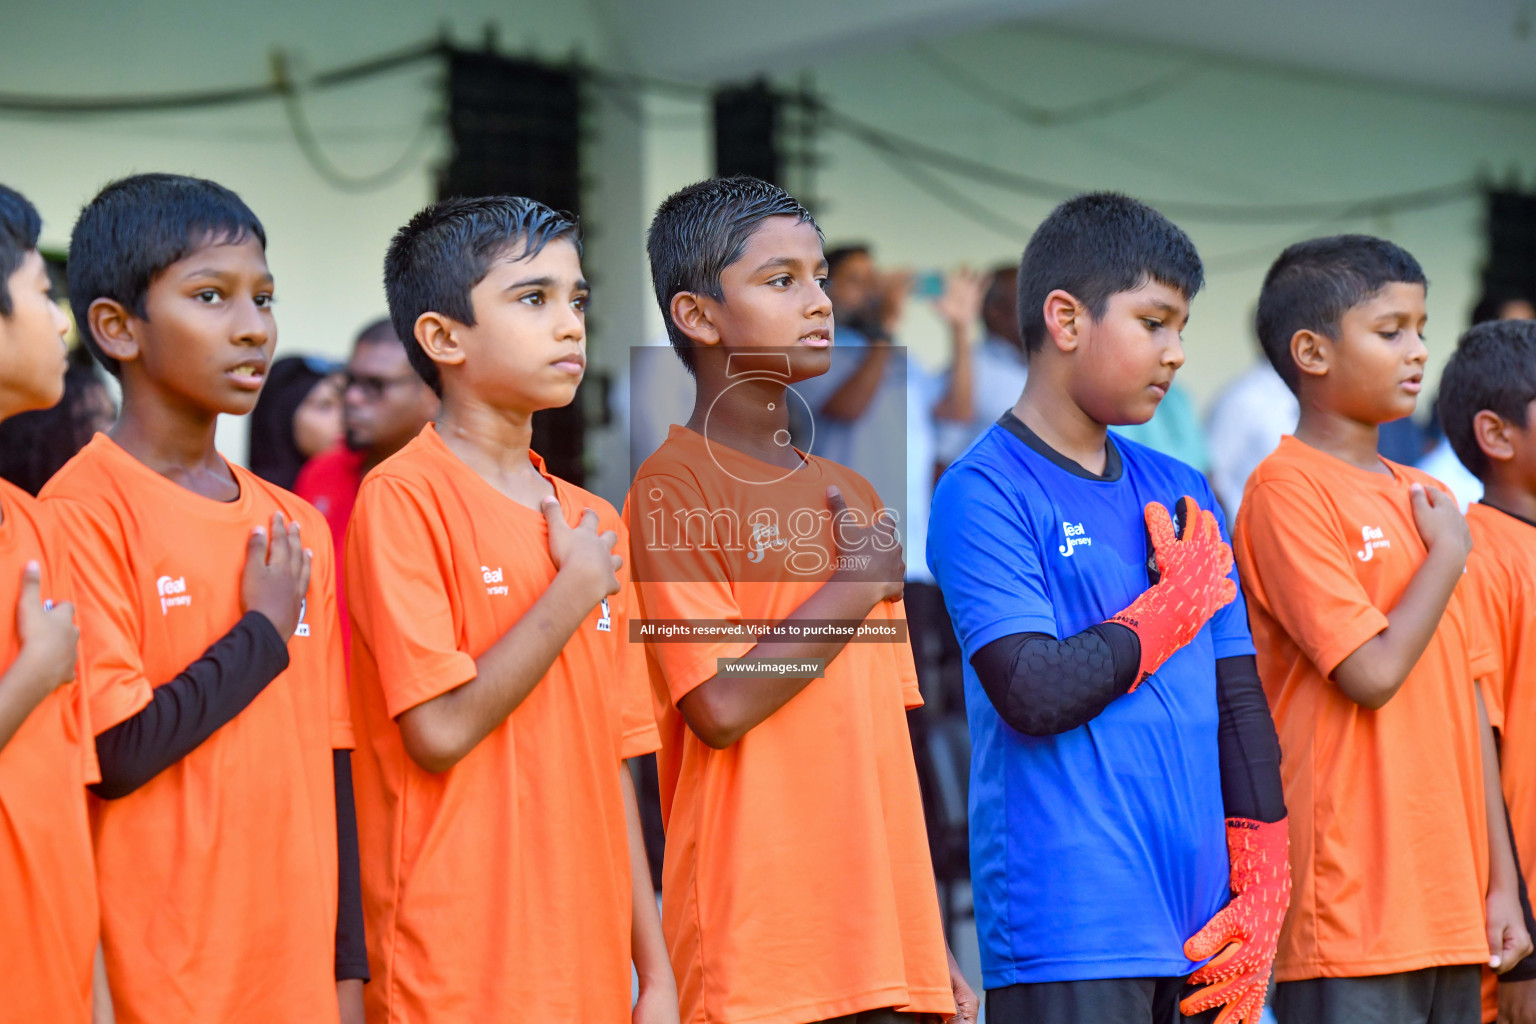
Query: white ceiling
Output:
(1461,46)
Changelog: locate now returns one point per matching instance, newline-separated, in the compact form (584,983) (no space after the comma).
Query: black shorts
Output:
(873,1017)
(1096,1001)
(1435,995)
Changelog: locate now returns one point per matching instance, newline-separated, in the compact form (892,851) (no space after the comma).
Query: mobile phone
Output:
(928,284)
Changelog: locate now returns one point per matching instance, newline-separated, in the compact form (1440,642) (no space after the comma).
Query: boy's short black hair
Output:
(135,228)
(1494,368)
(700,230)
(1095,245)
(139,226)
(20,227)
(1314,283)
(435,261)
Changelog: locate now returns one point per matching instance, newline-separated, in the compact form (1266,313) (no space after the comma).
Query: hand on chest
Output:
(190,585)
(1099,548)
(497,586)
(784,535)
(1093,560)
(1376,540)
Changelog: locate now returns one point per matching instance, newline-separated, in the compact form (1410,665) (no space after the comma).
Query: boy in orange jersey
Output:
(48,921)
(1404,882)
(1486,404)
(225,849)
(497,693)
(797,884)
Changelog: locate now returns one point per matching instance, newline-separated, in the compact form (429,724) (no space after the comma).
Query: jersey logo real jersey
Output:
(173,593)
(765,537)
(1372,539)
(492,578)
(302,629)
(1075,536)
(605,623)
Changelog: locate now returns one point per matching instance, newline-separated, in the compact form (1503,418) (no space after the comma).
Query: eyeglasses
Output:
(373,388)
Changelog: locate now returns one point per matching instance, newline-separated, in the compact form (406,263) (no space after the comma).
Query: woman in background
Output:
(297,417)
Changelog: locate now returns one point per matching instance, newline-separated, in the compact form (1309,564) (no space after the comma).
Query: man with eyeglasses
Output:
(385,404)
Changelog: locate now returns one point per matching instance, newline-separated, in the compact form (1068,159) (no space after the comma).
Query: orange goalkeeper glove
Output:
(1247,932)
(1193,584)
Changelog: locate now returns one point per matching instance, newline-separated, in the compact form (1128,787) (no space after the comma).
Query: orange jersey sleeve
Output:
(110,639)
(56,544)
(396,550)
(637,718)
(324,569)
(906,664)
(1486,591)
(1304,576)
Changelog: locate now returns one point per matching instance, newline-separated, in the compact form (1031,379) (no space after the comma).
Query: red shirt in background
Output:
(329,481)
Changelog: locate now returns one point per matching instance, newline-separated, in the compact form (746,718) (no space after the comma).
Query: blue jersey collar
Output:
(1113,465)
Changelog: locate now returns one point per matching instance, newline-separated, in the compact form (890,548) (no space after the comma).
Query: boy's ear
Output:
(436,334)
(691,316)
(115,329)
(1311,352)
(1492,433)
(1065,318)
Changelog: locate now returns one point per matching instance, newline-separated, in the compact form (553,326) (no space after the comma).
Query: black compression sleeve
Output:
(1043,686)
(1249,748)
(351,950)
(190,708)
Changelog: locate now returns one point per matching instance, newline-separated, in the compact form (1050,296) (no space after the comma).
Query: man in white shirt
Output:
(876,410)
(1246,421)
(998,367)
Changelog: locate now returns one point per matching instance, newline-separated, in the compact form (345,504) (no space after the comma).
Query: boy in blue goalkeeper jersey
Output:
(1128,841)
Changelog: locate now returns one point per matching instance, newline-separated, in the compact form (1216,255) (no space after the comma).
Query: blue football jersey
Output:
(1097,852)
